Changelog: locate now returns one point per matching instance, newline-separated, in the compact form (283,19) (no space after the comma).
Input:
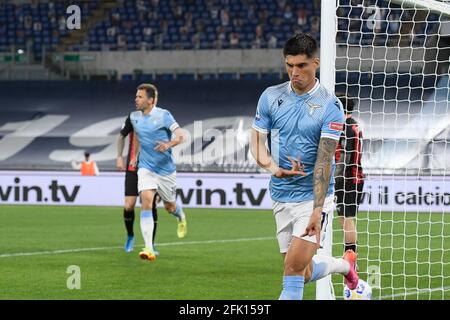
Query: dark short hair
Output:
(86,154)
(301,43)
(347,102)
(150,89)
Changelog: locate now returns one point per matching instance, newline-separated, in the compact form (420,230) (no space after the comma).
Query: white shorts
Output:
(293,218)
(165,185)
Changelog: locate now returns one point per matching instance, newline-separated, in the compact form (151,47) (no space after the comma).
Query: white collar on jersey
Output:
(310,92)
(152,111)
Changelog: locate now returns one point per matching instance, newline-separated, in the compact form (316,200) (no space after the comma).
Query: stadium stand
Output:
(34,26)
(187,25)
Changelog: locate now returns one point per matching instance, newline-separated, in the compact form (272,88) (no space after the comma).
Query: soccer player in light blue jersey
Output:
(303,122)
(157,132)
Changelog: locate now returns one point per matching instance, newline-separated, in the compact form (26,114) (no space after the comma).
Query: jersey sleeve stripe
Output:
(331,136)
(260,129)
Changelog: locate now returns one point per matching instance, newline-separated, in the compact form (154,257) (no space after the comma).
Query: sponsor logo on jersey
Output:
(336,126)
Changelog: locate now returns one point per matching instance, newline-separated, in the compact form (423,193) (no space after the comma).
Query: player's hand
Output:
(120,164)
(297,169)
(133,162)
(162,146)
(314,226)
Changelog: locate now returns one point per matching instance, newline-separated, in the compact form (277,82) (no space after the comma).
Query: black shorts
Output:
(348,197)
(131,184)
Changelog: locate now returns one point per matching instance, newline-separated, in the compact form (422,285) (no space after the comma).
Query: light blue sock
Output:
(179,212)
(292,288)
(323,265)
(147,226)
(319,270)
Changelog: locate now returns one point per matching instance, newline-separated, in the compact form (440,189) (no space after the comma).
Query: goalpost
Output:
(393,58)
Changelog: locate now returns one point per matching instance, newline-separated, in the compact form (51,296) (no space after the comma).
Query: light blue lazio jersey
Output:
(295,123)
(157,126)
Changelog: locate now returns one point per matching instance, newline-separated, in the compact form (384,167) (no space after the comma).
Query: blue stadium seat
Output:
(270,76)
(186,76)
(228,76)
(111,39)
(205,45)
(126,77)
(137,30)
(249,76)
(167,76)
(207,76)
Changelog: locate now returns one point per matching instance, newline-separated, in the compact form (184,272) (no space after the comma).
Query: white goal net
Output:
(393,58)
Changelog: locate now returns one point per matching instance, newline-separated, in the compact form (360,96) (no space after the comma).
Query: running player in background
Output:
(157,133)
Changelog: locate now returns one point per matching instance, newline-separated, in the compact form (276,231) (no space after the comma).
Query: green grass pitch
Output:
(227,254)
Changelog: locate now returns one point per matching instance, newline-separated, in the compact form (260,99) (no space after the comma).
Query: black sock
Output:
(128,218)
(350,246)
(155,221)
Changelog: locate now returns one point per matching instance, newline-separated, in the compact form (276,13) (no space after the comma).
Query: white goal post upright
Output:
(393,58)
(324,287)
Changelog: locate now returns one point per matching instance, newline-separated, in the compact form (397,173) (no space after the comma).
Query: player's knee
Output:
(146,204)
(129,204)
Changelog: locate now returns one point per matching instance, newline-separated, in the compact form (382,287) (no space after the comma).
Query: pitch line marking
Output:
(166,244)
(419,291)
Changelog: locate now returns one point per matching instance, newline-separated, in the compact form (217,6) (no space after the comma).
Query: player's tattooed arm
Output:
(322,170)
(137,149)
(322,176)
(120,145)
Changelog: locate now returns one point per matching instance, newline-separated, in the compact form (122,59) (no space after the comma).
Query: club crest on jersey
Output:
(157,119)
(312,108)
